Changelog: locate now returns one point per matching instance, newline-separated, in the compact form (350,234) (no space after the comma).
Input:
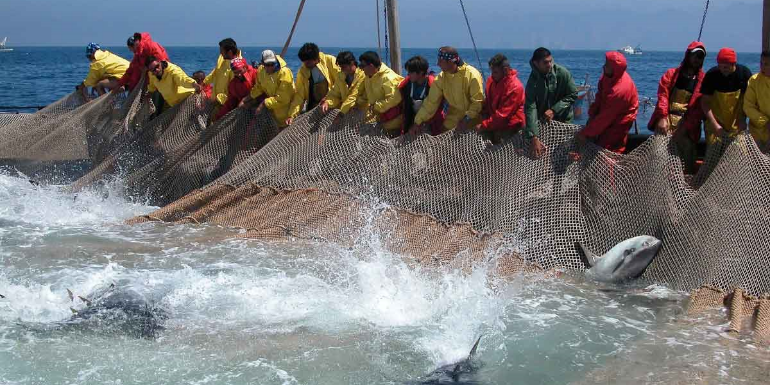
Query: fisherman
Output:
(142,45)
(344,93)
(315,78)
(414,90)
(221,75)
(678,111)
(613,113)
(461,86)
(170,81)
(105,71)
(380,93)
(275,83)
(503,110)
(756,103)
(200,77)
(722,101)
(550,94)
(239,87)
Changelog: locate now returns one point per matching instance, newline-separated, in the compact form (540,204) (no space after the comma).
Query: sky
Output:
(666,25)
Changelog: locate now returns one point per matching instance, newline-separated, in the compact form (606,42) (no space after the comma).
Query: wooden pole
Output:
(766,26)
(293,27)
(395,36)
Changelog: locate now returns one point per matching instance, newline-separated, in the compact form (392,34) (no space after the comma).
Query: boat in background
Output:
(628,50)
(2,46)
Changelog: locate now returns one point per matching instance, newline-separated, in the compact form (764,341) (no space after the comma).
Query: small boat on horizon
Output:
(628,50)
(2,46)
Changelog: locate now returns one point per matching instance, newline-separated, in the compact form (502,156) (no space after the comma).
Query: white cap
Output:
(268,56)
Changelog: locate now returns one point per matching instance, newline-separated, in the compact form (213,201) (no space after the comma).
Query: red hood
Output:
(405,82)
(618,63)
(692,46)
(143,43)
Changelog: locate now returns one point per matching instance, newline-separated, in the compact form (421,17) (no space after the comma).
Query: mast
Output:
(395,36)
(766,26)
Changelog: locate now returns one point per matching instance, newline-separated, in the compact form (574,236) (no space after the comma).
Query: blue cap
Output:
(92,48)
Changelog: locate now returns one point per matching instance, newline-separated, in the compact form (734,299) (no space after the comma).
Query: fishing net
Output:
(454,199)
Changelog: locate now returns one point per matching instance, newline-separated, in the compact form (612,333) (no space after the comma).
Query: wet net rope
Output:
(703,21)
(453,199)
(470,32)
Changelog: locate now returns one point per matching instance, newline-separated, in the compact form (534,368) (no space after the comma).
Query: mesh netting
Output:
(453,198)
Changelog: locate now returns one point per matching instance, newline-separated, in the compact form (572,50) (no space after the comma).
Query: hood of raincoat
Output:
(619,65)
(692,46)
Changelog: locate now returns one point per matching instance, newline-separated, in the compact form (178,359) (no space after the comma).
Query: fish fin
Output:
(589,258)
(475,347)
(73,311)
(86,300)
(72,296)
(2,296)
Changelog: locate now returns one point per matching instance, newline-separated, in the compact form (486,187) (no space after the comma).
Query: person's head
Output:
(239,67)
(269,61)
(695,56)
(91,49)
(131,43)
(155,66)
(199,76)
(370,63)
(499,65)
(417,69)
(309,55)
(449,59)
(542,60)
(764,63)
(347,62)
(228,49)
(727,61)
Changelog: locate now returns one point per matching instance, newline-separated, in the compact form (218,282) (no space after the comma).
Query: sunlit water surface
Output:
(249,312)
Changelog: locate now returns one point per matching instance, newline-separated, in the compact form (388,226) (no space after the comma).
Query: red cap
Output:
(237,63)
(727,56)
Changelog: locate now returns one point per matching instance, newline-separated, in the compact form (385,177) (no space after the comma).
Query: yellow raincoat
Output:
(463,91)
(107,65)
(381,92)
(220,76)
(278,87)
(330,70)
(342,96)
(756,105)
(174,85)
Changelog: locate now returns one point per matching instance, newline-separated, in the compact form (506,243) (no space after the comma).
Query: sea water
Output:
(250,312)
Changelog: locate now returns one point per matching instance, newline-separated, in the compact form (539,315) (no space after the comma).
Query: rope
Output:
(703,22)
(481,68)
(21,107)
(293,27)
(387,46)
(379,41)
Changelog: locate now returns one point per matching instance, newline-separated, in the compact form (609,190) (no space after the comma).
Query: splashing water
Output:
(243,311)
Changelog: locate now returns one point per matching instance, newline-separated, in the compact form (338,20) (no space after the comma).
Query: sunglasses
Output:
(268,64)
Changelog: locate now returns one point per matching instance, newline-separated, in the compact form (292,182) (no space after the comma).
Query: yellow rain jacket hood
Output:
(328,67)
(342,96)
(107,65)
(174,85)
(463,91)
(220,76)
(756,105)
(278,88)
(382,94)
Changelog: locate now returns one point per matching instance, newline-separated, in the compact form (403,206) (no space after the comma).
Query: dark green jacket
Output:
(554,91)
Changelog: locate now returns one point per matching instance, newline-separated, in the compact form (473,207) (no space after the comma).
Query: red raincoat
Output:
(143,49)
(504,103)
(691,120)
(238,89)
(614,111)
(436,123)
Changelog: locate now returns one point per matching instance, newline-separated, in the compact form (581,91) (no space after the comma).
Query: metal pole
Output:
(766,26)
(379,39)
(395,36)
